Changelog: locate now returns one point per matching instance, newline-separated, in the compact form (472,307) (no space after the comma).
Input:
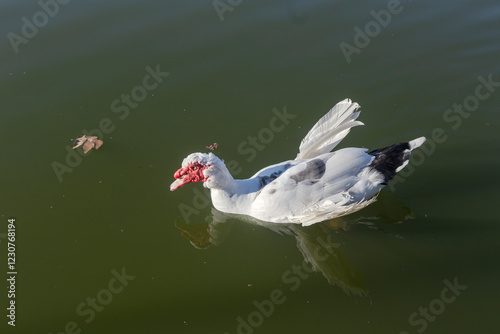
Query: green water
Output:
(103,246)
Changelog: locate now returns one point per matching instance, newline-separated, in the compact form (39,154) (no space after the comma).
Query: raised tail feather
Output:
(329,131)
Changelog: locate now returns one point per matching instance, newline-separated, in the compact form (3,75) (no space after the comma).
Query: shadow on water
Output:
(320,244)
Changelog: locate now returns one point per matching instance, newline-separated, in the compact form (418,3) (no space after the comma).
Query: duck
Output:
(316,186)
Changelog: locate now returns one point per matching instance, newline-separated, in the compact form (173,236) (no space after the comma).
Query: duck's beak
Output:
(182,178)
(179,183)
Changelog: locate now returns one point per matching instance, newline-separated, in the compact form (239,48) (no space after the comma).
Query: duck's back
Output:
(327,177)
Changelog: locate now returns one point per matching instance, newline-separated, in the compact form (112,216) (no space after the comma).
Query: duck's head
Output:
(200,167)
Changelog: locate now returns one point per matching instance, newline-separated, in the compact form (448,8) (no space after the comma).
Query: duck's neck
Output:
(219,178)
(230,195)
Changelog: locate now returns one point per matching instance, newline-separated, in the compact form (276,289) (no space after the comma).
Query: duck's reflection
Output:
(319,244)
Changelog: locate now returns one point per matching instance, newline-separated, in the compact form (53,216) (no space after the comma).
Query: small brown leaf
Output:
(98,143)
(212,147)
(87,146)
(88,143)
(78,142)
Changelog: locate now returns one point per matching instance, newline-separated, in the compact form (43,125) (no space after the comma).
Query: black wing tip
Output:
(389,159)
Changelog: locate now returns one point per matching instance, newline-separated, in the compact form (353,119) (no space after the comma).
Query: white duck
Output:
(317,185)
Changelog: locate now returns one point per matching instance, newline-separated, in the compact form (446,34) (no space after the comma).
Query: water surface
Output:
(421,259)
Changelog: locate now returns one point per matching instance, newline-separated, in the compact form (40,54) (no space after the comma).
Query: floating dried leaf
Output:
(212,147)
(88,143)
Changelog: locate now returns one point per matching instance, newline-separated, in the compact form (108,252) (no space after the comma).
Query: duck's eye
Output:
(194,167)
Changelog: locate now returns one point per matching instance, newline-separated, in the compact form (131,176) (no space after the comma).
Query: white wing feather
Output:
(329,131)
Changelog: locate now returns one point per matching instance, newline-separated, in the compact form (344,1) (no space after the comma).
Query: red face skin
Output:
(192,173)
